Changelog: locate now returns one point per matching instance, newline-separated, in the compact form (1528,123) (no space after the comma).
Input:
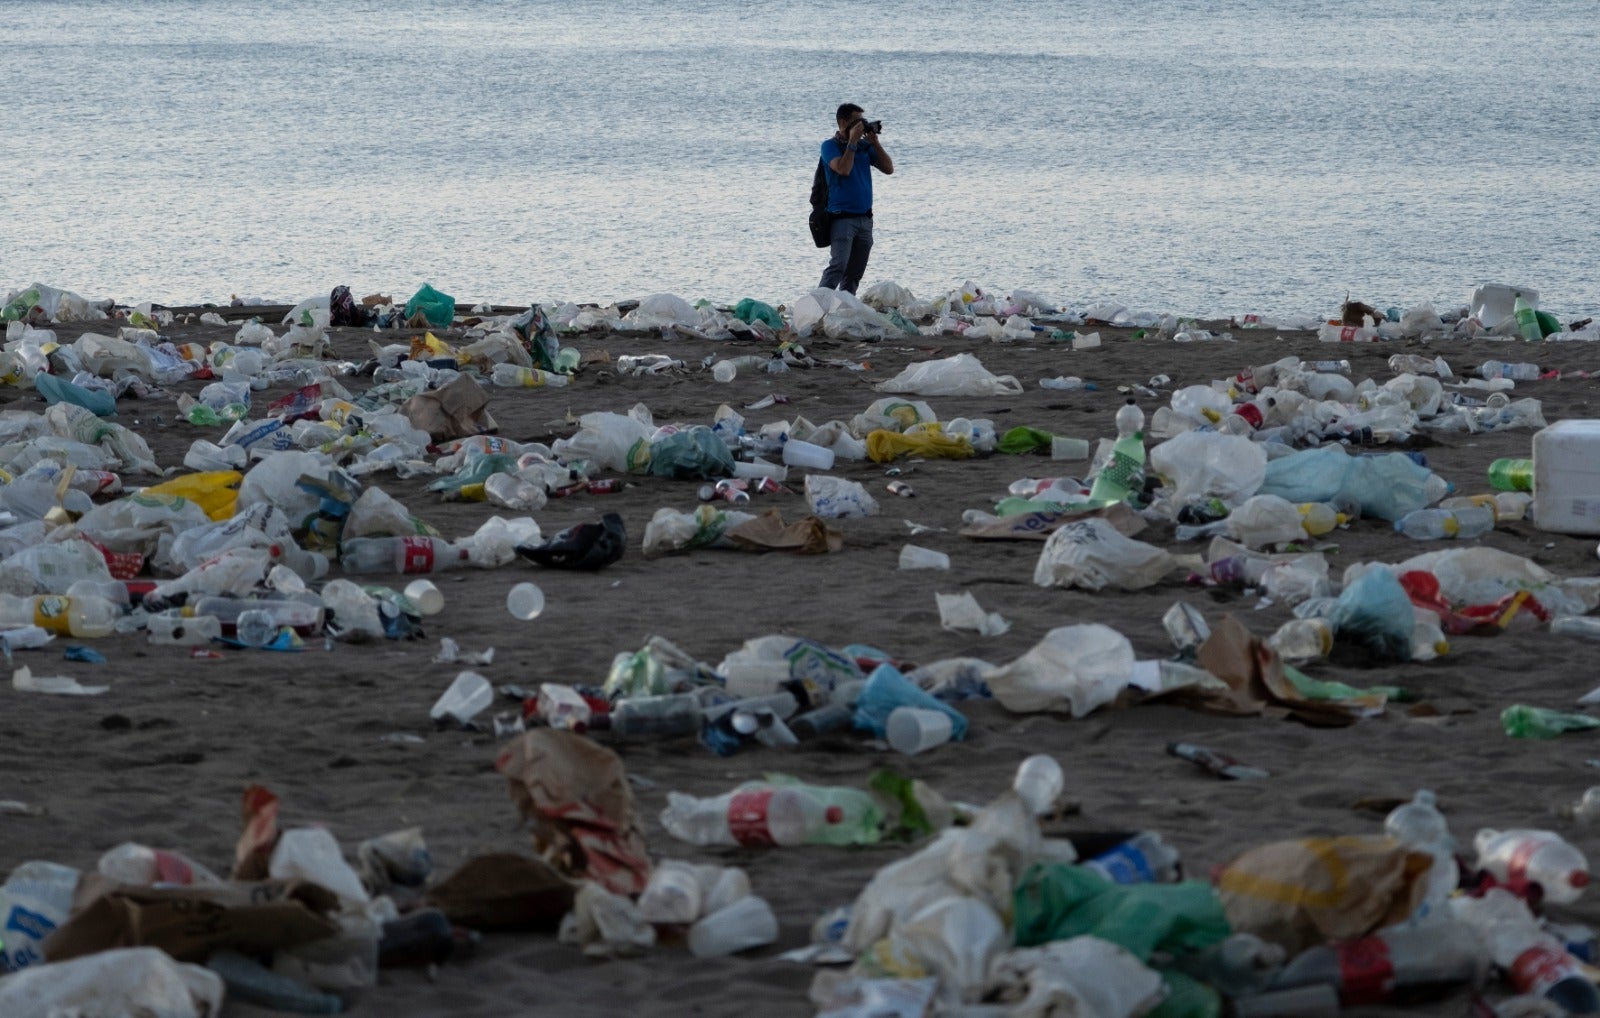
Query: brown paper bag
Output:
(575,792)
(454,411)
(503,890)
(1254,674)
(1319,890)
(768,532)
(191,922)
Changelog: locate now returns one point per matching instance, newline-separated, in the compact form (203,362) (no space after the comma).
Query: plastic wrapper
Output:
(1075,669)
(129,981)
(606,925)
(1057,902)
(840,315)
(1092,554)
(1210,464)
(136,523)
(1265,519)
(960,375)
(693,453)
(706,526)
(837,498)
(1081,976)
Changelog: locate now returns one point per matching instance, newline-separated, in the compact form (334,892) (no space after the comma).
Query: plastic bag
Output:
(128,981)
(1092,554)
(438,308)
(1057,902)
(886,294)
(1074,669)
(137,522)
(884,446)
(891,414)
(216,491)
(660,309)
(961,375)
(1375,611)
(1264,520)
(955,939)
(1080,976)
(752,310)
(958,612)
(694,453)
(841,315)
(1387,487)
(887,689)
(1210,464)
(836,498)
(608,441)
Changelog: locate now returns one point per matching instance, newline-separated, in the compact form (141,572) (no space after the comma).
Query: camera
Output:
(872,126)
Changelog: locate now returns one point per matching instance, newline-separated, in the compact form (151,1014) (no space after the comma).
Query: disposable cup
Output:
(724,371)
(1040,782)
(525,601)
(807,456)
(914,556)
(912,730)
(1064,448)
(761,468)
(425,596)
(746,923)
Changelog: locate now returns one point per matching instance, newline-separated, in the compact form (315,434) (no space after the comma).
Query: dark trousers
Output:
(847,259)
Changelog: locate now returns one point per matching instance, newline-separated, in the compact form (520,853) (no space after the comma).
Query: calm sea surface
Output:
(1204,157)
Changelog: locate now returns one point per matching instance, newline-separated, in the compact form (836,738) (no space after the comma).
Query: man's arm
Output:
(880,159)
(845,161)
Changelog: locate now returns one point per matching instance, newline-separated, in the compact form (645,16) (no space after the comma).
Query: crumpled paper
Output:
(575,793)
(768,532)
(452,411)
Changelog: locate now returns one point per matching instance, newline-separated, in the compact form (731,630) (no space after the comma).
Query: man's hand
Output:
(857,129)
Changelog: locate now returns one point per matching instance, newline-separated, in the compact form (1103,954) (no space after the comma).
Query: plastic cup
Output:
(912,730)
(1040,782)
(746,923)
(724,371)
(525,601)
(807,455)
(914,556)
(256,627)
(425,596)
(1064,448)
(761,468)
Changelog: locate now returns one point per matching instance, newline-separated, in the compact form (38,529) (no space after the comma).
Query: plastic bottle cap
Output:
(835,815)
(1578,878)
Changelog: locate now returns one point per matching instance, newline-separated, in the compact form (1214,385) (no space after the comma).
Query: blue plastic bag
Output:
(887,689)
(1386,487)
(1375,611)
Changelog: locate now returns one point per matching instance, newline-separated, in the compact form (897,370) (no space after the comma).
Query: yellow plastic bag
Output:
(883,446)
(214,491)
(431,347)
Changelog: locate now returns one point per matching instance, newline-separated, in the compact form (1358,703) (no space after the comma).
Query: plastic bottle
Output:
(309,565)
(1535,963)
(1541,856)
(303,613)
(1302,640)
(511,376)
(35,899)
(1576,625)
(1435,524)
(1511,475)
(653,717)
(255,627)
(1400,963)
(84,617)
(252,982)
(400,555)
(1527,320)
(1419,825)
(761,813)
(1142,859)
(173,627)
(1520,372)
(1124,475)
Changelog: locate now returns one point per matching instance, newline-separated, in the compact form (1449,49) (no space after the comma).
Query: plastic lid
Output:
(835,815)
(1578,878)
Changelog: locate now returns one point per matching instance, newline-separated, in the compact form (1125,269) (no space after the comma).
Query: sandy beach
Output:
(163,757)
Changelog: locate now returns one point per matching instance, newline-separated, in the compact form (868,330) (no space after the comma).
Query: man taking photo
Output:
(849,157)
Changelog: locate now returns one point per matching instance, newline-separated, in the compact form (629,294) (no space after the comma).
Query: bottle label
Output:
(1517,863)
(1124,864)
(1251,414)
(418,555)
(1539,968)
(50,613)
(747,817)
(1366,972)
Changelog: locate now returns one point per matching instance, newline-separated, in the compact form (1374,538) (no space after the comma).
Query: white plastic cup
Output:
(912,730)
(746,923)
(1064,448)
(724,371)
(1040,782)
(761,468)
(468,696)
(807,456)
(525,601)
(425,596)
(914,556)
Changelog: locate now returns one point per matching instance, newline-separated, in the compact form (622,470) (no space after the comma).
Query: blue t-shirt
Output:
(852,193)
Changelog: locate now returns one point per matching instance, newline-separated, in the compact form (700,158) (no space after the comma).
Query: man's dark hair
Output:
(846,110)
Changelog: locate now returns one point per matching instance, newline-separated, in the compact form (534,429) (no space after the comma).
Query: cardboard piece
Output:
(190,922)
(454,411)
(501,891)
(575,793)
(768,532)
(260,834)
(1315,891)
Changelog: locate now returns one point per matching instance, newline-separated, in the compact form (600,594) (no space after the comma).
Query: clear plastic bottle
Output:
(1436,524)
(1582,626)
(762,813)
(304,612)
(1527,320)
(1534,962)
(513,377)
(659,717)
(1401,962)
(1419,825)
(1347,334)
(1522,372)
(84,617)
(309,565)
(400,555)
(1142,859)
(1541,856)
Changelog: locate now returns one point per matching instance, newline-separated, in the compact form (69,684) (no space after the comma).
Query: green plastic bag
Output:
(750,309)
(1523,722)
(438,308)
(696,453)
(18,309)
(1054,901)
(1022,440)
(533,328)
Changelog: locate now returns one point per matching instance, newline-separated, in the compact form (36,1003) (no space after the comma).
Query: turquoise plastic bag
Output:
(1387,487)
(1375,611)
(693,453)
(438,308)
(887,689)
(1055,901)
(750,309)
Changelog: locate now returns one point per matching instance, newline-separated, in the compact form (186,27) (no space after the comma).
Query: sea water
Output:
(1212,158)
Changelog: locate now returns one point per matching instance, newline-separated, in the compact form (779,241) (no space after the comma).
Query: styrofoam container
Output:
(1566,477)
(1494,304)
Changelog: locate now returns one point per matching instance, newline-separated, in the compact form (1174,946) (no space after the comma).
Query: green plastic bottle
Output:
(1523,722)
(1511,475)
(1527,320)
(1123,477)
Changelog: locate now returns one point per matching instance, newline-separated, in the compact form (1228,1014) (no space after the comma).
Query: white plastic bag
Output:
(1074,669)
(1084,976)
(137,522)
(1210,464)
(841,316)
(955,939)
(886,294)
(128,981)
(833,498)
(609,441)
(311,854)
(960,612)
(1265,519)
(1091,554)
(961,375)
